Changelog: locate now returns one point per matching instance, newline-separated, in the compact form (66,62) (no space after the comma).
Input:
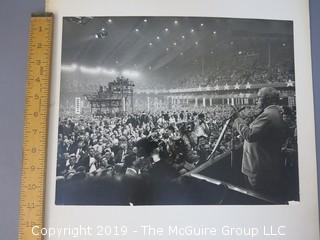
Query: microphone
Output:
(236,112)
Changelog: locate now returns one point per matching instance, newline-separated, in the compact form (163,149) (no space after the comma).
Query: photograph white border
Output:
(301,219)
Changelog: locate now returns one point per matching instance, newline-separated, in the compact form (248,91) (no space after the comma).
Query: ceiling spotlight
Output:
(145,20)
(201,24)
(79,20)
(101,34)
(214,32)
(211,52)
(240,52)
(174,44)
(150,43)
(231,43)
(150,67)
(117,62)
(166,29)
(284,44)
(183,37)
(167,49)
(137,29)
(192,30)
(176,22)
(109,20)
(181,53)
(158,38)
(196,43)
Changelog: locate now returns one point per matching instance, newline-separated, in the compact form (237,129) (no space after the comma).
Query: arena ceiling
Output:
(165,46)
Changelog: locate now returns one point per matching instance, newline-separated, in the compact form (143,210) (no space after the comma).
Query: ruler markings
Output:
(35,127)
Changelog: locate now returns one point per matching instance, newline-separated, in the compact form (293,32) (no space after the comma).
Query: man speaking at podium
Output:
(263,139)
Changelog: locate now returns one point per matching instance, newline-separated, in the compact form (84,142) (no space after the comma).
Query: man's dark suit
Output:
(262,158)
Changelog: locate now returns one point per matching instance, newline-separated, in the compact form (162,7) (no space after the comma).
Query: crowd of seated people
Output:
(154,145)
(255,74)
(230,73)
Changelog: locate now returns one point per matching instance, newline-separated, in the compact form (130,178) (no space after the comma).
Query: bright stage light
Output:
(89,70)
(111,72)
(69,68)
(130,73)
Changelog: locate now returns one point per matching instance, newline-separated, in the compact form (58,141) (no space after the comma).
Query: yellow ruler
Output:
(35,126)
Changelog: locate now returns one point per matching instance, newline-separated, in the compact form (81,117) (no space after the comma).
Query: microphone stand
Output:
(225,126)
(224,129)
(232,149)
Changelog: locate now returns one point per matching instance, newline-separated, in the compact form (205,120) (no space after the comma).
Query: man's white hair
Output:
(270,95)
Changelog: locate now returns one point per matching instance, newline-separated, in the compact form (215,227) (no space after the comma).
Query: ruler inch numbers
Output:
(35,126)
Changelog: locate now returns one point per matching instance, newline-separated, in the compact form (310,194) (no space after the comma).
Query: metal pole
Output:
(132,101)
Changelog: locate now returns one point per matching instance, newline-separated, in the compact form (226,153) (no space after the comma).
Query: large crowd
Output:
(231,73)
(241,74)
(146,144)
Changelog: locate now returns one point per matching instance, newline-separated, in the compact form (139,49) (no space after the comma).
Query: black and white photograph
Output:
(177,111)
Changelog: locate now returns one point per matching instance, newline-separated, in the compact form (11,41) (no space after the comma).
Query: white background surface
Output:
(14,21)
(301,220)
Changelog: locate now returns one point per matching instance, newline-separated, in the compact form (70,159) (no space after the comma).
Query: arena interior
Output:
(146,106)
